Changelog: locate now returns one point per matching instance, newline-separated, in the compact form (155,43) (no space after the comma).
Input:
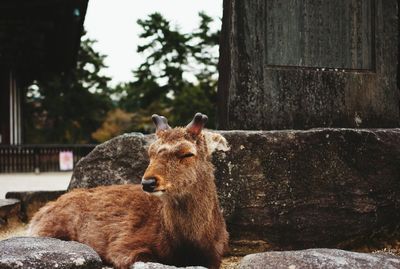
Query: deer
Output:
(173,217)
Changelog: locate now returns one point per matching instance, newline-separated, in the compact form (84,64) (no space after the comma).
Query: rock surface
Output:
(31,201)
(118,161)
(319,259)
(291,189)
(151,265)
(41,253)
(9,208)
(274,72)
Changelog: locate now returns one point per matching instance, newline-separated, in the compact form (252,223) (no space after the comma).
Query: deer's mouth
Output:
(157,192)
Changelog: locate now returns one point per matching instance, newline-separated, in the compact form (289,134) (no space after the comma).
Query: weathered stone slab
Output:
(31,201)
(319,259)
(152,265)
(298,71)
(8,208)
(38,253)
(307,25)
(291,189)
(8,205)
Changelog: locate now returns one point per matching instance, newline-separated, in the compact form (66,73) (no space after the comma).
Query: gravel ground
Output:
(17,230)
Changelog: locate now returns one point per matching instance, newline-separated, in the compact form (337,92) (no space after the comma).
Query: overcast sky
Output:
(113,25)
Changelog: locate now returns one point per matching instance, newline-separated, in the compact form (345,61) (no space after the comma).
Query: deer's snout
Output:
(149,184)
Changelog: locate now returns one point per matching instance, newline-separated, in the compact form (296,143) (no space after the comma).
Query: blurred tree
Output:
(116,123)
(179,74)
(68,107)
(167,54)
(177,78)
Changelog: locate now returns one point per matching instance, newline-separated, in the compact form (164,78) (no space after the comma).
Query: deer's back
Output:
(100,217)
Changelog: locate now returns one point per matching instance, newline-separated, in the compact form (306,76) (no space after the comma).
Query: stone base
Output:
(30,252)
(9,212)
(31,201)
(319,259)
(291,189)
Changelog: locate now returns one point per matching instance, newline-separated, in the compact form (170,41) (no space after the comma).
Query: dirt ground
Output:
(17,229)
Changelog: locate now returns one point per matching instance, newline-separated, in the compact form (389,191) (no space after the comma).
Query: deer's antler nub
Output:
(197,124)
(160,122)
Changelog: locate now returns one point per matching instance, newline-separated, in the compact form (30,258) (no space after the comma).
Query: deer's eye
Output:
(185,155)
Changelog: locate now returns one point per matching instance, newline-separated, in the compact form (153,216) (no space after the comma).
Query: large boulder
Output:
(118,161)
(290,189)
(319,259)
(38,253)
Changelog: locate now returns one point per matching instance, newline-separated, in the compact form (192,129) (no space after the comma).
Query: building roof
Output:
(40,35)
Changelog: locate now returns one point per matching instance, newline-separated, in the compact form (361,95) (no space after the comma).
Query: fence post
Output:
(37,160)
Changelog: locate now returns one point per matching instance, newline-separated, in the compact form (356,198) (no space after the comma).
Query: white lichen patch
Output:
(357,119)
(18,264)
(140,265)
(78,261)
(230,166)
(38,256)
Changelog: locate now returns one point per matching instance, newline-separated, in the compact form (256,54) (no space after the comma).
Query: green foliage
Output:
(116,122)
(177,79)
(171,58)
(68,107)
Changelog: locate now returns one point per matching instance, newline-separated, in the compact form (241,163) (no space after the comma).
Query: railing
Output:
(38,158)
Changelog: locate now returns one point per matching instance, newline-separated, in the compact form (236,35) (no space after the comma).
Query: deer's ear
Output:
(215,142)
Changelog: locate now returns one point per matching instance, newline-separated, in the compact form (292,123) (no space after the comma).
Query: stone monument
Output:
(300,64)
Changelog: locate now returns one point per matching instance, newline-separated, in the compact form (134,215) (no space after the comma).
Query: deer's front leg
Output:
(124,261)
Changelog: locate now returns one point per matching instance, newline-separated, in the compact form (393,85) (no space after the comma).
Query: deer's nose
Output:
(149,184)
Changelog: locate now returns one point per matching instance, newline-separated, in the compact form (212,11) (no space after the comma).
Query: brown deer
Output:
(173,217)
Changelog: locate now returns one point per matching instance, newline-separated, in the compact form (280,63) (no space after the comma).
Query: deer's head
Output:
(180,157)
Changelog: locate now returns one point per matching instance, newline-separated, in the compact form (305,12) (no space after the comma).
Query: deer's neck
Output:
(190,217)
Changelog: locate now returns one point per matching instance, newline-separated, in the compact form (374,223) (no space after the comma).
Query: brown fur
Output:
(124,224)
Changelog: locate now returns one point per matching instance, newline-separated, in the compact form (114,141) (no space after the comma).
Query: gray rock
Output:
(269,79)
(118,161)
(8,208)
(152,265)
(319,259)
(31,201)
(292,189)
(8,202)
(43,253)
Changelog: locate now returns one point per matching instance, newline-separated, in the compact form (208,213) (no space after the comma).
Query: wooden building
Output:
(37,37)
